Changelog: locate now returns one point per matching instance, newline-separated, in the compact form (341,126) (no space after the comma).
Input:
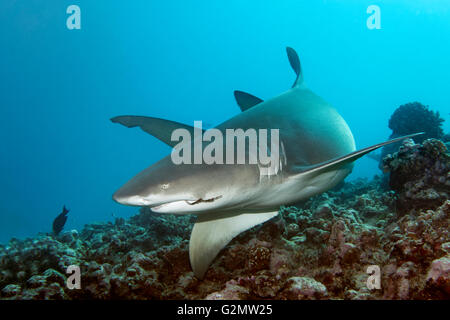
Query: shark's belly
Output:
(271,197)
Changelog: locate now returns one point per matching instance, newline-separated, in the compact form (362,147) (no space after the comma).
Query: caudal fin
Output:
(294,60)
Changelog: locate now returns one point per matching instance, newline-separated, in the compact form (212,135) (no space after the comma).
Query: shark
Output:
(317,152)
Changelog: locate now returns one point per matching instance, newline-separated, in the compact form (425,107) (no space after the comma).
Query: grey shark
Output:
(317,152)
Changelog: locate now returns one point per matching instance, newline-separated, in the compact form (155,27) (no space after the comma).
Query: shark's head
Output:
(187,188)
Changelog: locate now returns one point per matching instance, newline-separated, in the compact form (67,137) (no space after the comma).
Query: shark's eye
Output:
(164,186)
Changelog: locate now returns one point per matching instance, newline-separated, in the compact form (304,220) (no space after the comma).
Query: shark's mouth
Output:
(180,202)
(203,200)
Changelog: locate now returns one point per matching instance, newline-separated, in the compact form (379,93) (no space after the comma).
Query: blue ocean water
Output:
(182,60)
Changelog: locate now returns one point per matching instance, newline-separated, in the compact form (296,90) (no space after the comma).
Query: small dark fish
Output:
(60,221)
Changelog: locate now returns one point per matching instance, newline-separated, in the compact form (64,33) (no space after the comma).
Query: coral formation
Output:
(318,250)
(420,174)
(416,117)
(412,118)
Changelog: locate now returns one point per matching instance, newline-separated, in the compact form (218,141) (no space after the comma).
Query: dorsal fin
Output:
(159,128)
(246,100)
(295,64)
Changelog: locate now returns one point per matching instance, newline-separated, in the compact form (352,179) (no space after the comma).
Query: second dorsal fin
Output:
(159,128)
(295,64)
(246,100)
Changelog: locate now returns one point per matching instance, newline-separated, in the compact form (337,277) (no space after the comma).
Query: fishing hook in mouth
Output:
(203,200)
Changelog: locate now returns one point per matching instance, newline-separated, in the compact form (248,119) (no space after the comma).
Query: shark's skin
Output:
(317,153)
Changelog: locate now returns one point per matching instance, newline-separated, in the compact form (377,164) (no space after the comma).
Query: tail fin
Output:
(295,64)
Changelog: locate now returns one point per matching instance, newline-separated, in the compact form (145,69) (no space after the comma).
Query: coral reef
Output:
(420,174)
(412,118)
(320,249)
(416,117)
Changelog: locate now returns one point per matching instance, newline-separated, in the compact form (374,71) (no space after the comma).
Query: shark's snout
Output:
(156,201)
(130,200)
(124,200)
(132,194)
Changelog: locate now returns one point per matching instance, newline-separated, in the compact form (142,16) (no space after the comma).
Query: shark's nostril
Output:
(130,200)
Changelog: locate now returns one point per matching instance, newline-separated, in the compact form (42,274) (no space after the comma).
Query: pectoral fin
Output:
(159,128)
(212,233)
(337,163)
